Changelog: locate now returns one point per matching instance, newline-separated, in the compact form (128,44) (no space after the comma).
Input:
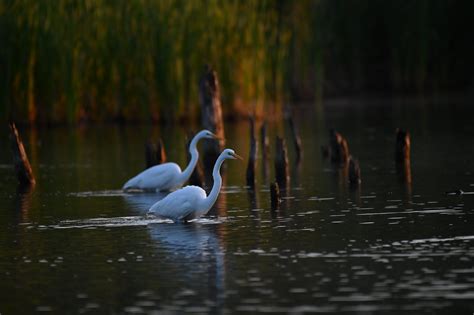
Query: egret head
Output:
(206,134)
(230,154)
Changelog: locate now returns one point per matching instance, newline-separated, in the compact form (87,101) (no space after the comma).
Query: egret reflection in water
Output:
(196,251)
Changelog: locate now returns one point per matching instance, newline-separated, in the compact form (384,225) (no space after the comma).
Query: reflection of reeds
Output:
(140,60)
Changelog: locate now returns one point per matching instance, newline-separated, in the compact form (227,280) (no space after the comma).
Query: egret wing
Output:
(161,177)
(180,204)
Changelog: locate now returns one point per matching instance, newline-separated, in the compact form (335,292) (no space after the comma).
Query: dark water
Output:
(78,245)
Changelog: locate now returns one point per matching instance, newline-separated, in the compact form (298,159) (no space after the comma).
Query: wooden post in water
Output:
(296,139)
(252,163)
(197,177)
(402,155)
(211,112)
(24,173)
(354,172)
(402,146)
(282,173)
(160,150)
(265,142)
(338,147)
(265,149)
(154,153)
(275,196)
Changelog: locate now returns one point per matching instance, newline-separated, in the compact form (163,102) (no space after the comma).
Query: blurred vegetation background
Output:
(140,60)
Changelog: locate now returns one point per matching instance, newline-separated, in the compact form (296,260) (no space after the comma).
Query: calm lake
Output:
(77,244)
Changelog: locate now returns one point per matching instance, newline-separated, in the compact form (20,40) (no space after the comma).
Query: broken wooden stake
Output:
(402,155)
(265,149)
(404,171)
(354,172)
(252,163)
(338,147)
(282,173)
(265,142)
(211,115)
(154,153)
(23,169)
(296,139)
(197,177)
(402,146)
(275,196)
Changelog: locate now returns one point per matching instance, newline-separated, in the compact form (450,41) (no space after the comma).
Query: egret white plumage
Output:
(191,202)
(168,176)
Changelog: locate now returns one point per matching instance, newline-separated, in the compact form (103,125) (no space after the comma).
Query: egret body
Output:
(191,202)
(168,176)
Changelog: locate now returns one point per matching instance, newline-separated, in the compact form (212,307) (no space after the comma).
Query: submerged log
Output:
(23,169)
(296,139)
(282,173)
(211,113)
(354,172)
(275,196)
(252,162)
(154,153)
(197,177)
(338,147)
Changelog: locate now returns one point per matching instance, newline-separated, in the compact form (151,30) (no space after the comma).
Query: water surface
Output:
(77,244)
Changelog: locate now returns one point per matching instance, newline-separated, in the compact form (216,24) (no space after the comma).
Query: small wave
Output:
(110,222)
(100,193)
(124,222)
(425,211)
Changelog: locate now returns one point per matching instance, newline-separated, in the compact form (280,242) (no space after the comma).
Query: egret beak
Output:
(235,155)
(214,136)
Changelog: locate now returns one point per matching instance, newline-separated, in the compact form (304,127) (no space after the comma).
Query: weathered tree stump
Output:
(275,196)
(23,169)
(197,177)
(211,113)
(338,147)
(282,173)
(252,162)
(154,153)
(296,139)
(354,172)
(402,146)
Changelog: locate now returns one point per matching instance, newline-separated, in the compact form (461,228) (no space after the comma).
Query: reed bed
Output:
(140,60)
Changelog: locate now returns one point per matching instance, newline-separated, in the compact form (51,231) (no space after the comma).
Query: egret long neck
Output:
(216,187)
(194,159)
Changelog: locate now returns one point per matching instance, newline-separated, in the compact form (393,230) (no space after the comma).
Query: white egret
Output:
(191,202)
(168,176)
